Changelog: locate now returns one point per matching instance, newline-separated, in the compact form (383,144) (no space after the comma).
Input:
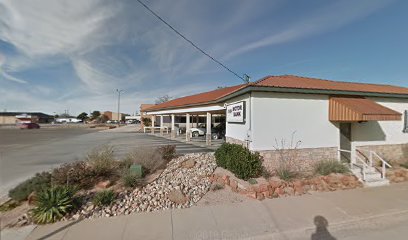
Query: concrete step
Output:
(372,179)
(376,182)
(369,175)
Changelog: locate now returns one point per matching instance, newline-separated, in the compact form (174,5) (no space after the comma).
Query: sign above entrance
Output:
(236,112)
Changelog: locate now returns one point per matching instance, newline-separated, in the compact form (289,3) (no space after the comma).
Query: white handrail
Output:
(370,157)
(383,163)
(365,166)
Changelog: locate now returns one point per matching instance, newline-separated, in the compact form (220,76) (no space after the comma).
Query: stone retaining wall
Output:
(304,160)
(275,188)
(390,152)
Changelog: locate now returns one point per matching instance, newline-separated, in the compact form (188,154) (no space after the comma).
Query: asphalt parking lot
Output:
(25,152)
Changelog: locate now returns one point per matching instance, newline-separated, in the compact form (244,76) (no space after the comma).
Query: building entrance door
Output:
(345,141)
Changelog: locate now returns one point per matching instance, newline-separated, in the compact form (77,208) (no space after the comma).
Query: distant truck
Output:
(68,120)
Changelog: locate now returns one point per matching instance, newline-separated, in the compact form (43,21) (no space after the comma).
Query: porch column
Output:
(161,125)
(173,129)
(188,127)
(153,118)
(208,135)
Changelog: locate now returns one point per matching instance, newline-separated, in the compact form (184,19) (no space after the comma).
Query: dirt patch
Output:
(222,196)
(10,218)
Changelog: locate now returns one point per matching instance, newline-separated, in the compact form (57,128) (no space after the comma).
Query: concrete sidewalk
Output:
(349,213)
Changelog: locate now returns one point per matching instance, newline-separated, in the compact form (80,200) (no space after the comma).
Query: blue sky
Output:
(73,54)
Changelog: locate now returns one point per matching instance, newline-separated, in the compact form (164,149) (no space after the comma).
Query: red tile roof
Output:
(285,81)
(198,99)
(290,81)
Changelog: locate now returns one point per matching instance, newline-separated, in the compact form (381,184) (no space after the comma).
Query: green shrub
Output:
(326,167)
(404,165)
(130,180)
(265,173)
(239,160)
(147,122)
(75,174)
(52,204)
(104,198)
(35,184)
(217,186)
(102,161)
(286,173)
(9,205)
(168,152)
(252,181)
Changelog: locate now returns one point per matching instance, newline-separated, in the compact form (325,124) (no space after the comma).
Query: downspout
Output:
(249,133)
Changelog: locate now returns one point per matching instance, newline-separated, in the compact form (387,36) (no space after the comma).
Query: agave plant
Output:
(52,204)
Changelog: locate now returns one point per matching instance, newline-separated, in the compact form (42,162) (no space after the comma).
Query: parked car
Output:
(29,126)
(217,132)
(198,131)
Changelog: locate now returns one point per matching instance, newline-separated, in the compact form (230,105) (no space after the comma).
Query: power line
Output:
(244,78)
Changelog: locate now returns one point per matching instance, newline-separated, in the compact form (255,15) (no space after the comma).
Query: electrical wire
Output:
(244,78)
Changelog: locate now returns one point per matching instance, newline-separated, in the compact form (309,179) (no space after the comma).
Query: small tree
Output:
(103,118)
(83,116)
(95,115)
(162,99)
(147,122)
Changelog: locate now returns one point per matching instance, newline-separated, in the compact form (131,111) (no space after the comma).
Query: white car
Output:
(200,131)
(216,133)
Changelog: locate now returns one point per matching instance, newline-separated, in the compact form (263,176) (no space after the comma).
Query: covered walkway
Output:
(200,125)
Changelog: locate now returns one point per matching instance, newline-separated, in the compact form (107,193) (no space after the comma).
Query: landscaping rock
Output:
(188,164)
(177,197)
(103,184)
(182,184)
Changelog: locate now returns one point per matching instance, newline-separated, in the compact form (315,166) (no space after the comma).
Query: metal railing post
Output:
(383,170)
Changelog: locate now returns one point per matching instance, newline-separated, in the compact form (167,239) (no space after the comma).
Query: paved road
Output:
(23,153)
(375,213)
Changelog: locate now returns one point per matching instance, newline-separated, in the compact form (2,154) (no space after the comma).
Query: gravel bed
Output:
(181,185)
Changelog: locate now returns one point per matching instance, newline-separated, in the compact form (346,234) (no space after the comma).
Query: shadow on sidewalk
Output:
(321,232)
(59,230)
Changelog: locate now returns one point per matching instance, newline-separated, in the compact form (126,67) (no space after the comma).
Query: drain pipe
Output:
(249,132)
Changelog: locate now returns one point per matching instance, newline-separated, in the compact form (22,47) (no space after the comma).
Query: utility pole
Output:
(119,92)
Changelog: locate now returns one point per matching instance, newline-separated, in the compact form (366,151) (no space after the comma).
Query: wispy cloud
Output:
(100,45)
(328,18)
(11,78)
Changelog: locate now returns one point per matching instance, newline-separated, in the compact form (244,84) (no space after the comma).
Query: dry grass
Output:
(150,158)
(102,161)
(288,153)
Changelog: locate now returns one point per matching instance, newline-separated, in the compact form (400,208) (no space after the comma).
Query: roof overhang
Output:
(310,91)
(347,109)
(198,109)
(252,88)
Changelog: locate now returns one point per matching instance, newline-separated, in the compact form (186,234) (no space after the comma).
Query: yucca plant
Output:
(104,198)
(52,204)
